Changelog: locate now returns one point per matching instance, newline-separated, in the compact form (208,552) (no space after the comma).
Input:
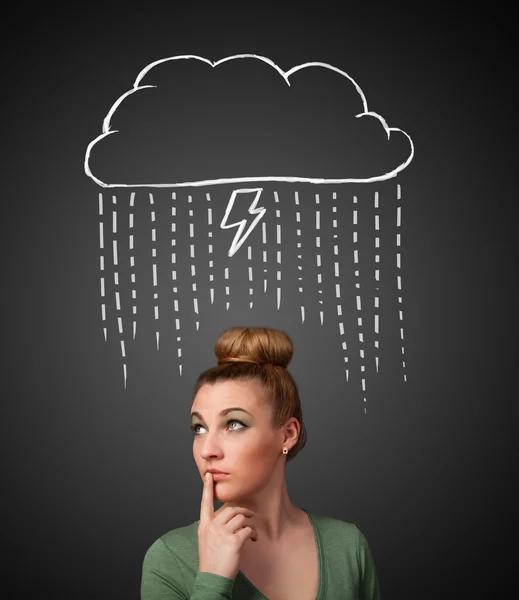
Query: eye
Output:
(195,425)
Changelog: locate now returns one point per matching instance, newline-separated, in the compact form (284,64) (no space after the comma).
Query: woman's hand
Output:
(221,537)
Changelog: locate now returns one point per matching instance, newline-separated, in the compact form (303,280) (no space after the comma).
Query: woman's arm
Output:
(368,580)
(163,580)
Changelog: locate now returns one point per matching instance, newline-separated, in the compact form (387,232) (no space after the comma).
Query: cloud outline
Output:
(106,131)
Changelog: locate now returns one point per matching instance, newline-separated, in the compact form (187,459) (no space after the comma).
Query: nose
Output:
(210,448)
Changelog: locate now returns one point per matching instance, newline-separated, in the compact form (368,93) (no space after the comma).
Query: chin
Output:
(219,493)
(223,495)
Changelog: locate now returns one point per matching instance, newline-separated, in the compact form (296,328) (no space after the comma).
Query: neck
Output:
(275,515)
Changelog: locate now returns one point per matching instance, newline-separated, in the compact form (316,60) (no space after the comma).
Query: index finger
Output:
(207,505)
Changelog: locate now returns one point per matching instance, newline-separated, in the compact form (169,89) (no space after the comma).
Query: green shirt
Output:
(346,567)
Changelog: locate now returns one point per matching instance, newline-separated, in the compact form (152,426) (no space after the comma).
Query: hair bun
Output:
(259,345)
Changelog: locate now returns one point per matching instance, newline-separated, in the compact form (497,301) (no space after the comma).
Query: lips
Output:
(215,472)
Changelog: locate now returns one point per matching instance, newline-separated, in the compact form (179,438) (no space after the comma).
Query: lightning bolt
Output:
(253,210)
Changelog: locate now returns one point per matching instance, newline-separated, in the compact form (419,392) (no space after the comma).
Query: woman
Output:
(247,423)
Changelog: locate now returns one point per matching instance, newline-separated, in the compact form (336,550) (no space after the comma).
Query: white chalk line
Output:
(278,252)
(117,286)
(251,289)
(174,276)
(318,257)
(359,300)
(264,242)
(227,288)
(399,277)
(226,269)
(210,247)
(192,255)
(154,266)
(102,266)
(132,263)
(342,331)
(299,256)
(377,278)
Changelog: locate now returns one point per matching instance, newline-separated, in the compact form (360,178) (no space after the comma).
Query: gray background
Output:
(95,473)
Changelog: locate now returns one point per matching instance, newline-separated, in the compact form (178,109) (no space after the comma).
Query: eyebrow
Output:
(222,412)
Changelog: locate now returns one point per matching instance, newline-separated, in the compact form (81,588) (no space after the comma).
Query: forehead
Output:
(212,398)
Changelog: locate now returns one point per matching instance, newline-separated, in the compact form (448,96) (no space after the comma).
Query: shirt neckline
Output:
(320,560)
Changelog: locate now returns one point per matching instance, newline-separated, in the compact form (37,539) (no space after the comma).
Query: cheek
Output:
(198,459)
(254,457)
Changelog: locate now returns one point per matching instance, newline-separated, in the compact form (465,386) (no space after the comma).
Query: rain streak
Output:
(347,260)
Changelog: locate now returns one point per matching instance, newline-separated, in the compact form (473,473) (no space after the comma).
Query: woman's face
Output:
(242,444)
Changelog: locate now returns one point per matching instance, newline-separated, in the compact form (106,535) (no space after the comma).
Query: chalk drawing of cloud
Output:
(188,121)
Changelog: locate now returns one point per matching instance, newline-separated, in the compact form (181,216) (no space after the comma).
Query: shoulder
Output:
(168,567)
(176,542)
(333,528)
(340,537)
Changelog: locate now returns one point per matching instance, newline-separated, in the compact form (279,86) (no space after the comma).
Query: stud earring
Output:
(285,450)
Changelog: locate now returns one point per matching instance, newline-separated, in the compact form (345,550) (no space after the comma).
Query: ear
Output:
(292,430)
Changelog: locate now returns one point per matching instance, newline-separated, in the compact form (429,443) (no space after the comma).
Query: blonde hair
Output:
(260,354)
